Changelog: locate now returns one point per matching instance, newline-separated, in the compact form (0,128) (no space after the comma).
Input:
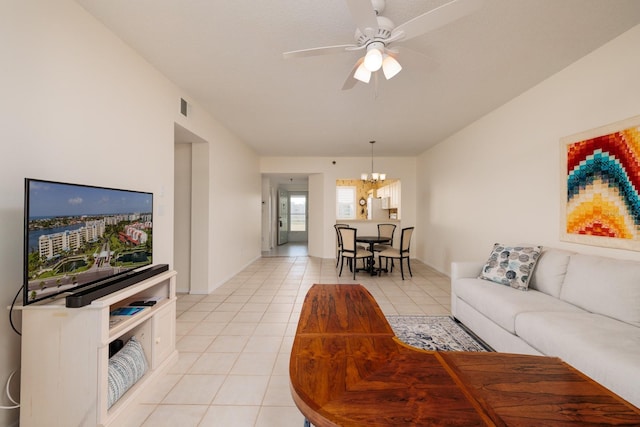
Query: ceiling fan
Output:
(376,33)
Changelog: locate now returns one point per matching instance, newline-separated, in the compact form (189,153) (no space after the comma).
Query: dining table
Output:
(372,241)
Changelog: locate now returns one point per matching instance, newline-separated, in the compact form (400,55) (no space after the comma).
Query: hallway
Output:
(288,250)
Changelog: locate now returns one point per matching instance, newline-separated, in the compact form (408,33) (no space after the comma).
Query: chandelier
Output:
(373,177)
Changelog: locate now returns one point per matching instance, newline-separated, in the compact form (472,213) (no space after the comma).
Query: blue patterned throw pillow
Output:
(511,265)
(126,367)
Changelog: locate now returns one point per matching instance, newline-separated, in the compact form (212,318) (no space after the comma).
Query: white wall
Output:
(317,233)
(229,168)
(498,180)
(322,194)
(182,215)
(78,106)
(235,205)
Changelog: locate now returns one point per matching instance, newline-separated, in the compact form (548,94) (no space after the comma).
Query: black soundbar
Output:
(84,296)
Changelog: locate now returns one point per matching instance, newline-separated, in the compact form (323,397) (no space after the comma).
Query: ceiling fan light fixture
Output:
(376,33)
(362,74)
(390,66)
(373,58)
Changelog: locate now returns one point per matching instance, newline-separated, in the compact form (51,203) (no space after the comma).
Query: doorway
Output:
(285,219)
(298,216)
(191,212)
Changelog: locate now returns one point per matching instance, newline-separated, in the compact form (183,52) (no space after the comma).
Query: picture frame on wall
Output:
(600,186)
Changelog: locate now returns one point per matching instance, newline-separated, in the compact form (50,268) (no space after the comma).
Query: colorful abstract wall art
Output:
(601,186)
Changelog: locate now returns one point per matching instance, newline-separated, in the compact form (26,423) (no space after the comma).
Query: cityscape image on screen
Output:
(76,235)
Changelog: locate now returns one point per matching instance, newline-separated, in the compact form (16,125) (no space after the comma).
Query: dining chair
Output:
(400,254)
(385,230)
(351,251)
(339,241)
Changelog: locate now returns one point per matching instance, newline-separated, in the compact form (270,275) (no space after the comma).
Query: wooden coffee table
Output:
(347,368)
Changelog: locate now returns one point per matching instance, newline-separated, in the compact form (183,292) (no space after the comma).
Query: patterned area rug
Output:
(433,333)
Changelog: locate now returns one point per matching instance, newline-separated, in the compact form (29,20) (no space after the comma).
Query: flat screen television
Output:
(80,235)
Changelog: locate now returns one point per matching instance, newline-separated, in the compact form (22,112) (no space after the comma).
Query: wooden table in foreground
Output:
(347,368)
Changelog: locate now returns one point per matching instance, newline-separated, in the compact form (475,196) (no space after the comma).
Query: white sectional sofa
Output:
(583,309)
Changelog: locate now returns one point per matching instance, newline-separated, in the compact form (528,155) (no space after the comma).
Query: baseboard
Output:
(444,273)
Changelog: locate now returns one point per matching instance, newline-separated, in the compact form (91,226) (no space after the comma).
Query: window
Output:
(346,202)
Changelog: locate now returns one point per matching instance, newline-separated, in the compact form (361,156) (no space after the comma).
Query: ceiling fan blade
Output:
(437,18)
(363,16)
(325,50)
(351,81)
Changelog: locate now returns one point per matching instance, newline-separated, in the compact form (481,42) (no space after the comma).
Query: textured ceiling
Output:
(227,55)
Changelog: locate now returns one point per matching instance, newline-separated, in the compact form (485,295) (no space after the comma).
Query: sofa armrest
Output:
(469,269)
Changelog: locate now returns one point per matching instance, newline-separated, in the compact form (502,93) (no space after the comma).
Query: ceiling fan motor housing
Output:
(385,27)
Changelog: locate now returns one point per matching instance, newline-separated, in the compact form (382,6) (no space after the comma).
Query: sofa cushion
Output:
(511,265)
(502,304)
(605,286)
(603,348)
(550,271)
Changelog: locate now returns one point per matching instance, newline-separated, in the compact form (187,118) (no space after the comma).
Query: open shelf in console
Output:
(120,324)
(70,384)
(158,289)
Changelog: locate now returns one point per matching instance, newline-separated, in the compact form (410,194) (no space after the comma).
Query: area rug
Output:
(434,333)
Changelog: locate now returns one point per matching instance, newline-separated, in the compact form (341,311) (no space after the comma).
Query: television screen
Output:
(78,235)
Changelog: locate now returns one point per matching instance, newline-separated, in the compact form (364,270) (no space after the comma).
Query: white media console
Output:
(65,353)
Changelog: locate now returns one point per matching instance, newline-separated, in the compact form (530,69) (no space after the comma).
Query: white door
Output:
(283,217)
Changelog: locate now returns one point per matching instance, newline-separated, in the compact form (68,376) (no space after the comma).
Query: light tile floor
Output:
(234,344)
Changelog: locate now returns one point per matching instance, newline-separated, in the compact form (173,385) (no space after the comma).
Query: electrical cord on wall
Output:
(16,405)
(11,312)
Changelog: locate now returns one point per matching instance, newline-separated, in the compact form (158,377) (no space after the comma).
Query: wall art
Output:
(600,186)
